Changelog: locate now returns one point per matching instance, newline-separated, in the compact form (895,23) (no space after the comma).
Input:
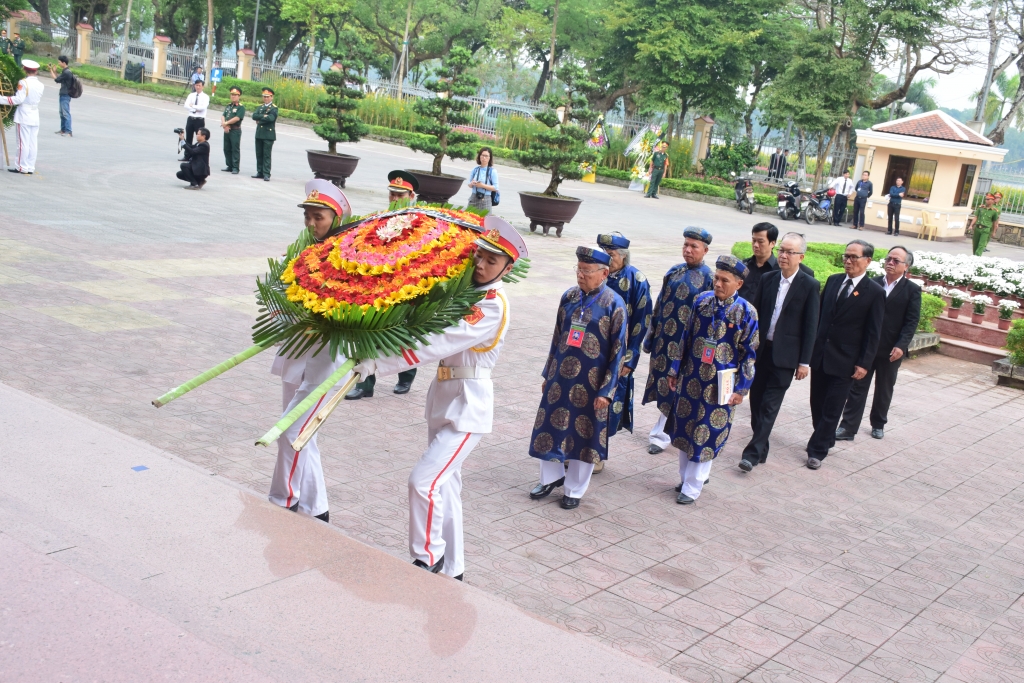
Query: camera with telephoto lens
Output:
(179,131)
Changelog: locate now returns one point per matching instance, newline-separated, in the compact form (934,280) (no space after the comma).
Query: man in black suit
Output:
(762,241)
(902,313)
(196,167)
(787,306)
(849,327)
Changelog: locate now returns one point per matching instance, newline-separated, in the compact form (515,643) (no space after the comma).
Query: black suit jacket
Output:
(797,325)
(902,314)
(197,156)
(848,331)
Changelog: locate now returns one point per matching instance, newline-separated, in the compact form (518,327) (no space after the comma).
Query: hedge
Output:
(931,308)
(820,264)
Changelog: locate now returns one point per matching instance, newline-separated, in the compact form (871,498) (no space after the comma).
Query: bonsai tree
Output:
(563,148)
(335,107)
(441,115)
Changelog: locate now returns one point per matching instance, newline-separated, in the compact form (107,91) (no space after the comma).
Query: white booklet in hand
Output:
(726,380)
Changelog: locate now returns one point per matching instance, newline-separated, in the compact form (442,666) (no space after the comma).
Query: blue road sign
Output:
(216,75)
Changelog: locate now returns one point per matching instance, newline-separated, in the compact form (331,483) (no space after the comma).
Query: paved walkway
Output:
(900,560)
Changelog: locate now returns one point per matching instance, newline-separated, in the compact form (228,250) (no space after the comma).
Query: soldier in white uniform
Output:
(26,118)
(460,403)
(298,481)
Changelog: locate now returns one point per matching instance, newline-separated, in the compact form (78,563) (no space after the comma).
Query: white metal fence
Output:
(180,63)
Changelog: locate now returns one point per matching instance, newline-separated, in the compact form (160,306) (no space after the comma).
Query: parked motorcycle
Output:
(744,190)
(789,201)
(819,206)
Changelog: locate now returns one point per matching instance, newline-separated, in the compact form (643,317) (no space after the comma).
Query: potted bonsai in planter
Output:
(440,118)
(338,123)
(1006,309)
(561,150)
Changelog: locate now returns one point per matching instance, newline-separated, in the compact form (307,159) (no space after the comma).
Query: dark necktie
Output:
(845,291)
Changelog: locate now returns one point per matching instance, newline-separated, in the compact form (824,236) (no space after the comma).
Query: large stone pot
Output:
(548,212)
(436,189)
(333,167)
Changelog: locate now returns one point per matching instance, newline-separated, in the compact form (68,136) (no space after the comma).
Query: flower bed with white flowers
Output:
(998,276)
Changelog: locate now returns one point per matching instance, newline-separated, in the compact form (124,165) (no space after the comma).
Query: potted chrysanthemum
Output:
(979,302)
(956,299)
(1006,310)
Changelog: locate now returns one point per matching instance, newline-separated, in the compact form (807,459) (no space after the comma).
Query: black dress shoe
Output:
(684,499)
(654,449)
(746,465)
(433,569)
(235,172)
(459,577)
(813,463)
(326,517)
(358,393)
(403,387)
(877,433)
(294,508)
(226,170)
(569,503)
(843,435)
(256,176)
(267,178)
(543,490)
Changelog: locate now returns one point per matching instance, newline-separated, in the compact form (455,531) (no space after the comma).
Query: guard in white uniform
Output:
(298,481)
(26,118)
(460,403)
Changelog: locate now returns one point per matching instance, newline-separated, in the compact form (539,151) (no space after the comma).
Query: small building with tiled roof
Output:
(939,159)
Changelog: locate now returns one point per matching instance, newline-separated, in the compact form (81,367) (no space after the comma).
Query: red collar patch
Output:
(491,293)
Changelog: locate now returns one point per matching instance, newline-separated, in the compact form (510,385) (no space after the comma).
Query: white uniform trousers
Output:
(693,475)
(577,476)
(435,499)
(299,475)
(658,437)
(28,137)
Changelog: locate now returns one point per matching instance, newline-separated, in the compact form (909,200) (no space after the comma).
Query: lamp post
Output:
(124,48)
(255,27)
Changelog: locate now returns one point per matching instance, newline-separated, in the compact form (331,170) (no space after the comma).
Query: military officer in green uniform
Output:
(659,164)
(265,117)
(5,42)
(17,48)
(231,122)
(985,220)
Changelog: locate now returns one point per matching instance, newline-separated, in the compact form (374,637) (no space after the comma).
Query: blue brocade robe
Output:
(698,425)
(567,426)
(632,286)
(671,316)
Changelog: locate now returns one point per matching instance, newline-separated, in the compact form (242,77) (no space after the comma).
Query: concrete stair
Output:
(976,343)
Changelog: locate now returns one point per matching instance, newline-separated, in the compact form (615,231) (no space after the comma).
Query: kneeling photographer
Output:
(196,167)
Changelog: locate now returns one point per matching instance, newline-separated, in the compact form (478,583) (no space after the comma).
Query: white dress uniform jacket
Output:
(26,98)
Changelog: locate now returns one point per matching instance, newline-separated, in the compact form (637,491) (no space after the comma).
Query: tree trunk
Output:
(993,51)
(801,154)
(43,7)
(552,188)
(538,92)
(671,127)
(820,170)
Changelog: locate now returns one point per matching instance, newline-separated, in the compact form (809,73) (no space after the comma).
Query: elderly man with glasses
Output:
(902,314)
(849,327)
(570,434)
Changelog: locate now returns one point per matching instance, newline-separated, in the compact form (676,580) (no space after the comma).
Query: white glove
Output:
(365,369)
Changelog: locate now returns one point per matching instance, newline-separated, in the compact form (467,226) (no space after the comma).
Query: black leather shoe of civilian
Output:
(235,172)
(569,503)
(843,435)
(326,517)
(256,176)
(543,490)
(746,465)
(433,569)
(226,170)
(684,499)
(654,449)
(813,463)
(403,387)
(267,178)
(877,433)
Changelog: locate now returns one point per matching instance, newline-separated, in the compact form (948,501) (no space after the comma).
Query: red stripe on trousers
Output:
(295,458)
(405,356)
(414,357)
(430,497)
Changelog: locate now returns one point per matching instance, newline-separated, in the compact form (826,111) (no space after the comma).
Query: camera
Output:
(179,131)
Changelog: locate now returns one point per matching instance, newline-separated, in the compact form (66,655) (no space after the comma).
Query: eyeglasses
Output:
(894,261)
(853,257)
(586,273)
(789,252)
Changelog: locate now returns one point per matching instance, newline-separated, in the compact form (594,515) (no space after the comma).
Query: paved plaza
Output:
(901,559)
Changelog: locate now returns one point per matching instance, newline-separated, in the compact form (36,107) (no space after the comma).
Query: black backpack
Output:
(75,88)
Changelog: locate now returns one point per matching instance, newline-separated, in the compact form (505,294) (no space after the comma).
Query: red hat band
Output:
(401,184)
(494,237)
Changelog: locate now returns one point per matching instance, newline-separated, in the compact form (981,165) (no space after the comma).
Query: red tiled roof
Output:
(934,124)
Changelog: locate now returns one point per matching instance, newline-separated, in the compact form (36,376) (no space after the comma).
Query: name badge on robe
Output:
(707,354)
(576,333)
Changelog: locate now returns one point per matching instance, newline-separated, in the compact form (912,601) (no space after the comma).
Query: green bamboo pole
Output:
(210,374)
(296,412)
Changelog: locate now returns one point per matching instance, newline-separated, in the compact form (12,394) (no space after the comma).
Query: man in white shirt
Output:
(196,105)
(843,185)
(26,119)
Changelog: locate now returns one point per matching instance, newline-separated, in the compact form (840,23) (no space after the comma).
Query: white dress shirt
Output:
(196,104)
(784,284)
(888,287)
(855,280)
(842,185)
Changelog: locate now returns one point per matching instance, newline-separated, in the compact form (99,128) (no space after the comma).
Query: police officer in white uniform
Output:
(26,118)
(460,403)
(298,481)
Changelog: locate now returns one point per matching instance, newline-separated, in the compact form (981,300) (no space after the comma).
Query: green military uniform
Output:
(17,49)
(233,138)
(984,220)
(265,117)
(5,45)
(657,172)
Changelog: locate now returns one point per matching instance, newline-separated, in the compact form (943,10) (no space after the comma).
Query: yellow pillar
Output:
(160,44)
(701,140)
(244,69)
(84,43)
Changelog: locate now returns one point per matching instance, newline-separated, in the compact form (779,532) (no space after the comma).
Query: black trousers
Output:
(191,126)
(839,209)
(187,175)
(859,204)
(894,215)
(766,393)
(885,381)
(828,397)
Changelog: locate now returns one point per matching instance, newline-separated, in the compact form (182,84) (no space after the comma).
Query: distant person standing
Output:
(844,188)
(196,105)
(864,189)
(773,162)
(18,49)
(658,168)
(984,220)
(65,80)
(26,118)
(5,42)
(265,117)
(231,122)
(896,194)
(197,75)
(483,181)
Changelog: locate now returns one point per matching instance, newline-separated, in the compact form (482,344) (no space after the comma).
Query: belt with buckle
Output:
(445,373)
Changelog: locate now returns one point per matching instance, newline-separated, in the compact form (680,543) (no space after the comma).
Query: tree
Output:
(441,115)
(313,15)
(335,106)
(562,148)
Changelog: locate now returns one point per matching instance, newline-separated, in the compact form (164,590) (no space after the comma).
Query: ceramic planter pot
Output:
(548,212)
(977,318)
(333,167)
(436,189)
(1004,323)
(953,313)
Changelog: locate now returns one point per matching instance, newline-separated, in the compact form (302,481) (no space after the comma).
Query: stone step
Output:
(985,333)
(969,351)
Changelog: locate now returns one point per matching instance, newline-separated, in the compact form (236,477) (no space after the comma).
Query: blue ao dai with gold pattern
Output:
(668,321)
(698,425)
(567,426)
(635,290)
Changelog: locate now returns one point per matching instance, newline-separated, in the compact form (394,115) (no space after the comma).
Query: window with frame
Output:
(918,176)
